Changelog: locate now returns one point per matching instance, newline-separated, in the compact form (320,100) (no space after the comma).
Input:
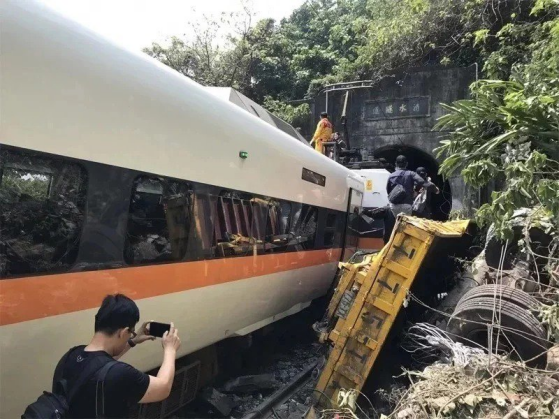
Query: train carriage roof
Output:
(244,102)
(69,91)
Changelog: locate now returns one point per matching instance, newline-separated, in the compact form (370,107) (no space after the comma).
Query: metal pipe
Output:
(344,111)
(349,83)
(365,84)
(344,120)
(348,88)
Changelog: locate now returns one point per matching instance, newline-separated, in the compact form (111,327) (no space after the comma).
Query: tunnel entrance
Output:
(441,203)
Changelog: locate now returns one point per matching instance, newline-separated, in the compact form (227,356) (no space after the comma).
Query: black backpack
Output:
(56,404)
(398,194)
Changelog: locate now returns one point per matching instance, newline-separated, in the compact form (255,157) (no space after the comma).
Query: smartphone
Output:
(157,329)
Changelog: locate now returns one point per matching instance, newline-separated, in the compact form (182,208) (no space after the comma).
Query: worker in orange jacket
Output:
(323,132)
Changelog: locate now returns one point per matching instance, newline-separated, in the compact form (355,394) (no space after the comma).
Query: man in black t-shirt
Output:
(123,385)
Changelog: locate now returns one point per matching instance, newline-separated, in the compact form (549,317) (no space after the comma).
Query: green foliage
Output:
(480,36)
(296,115)
(329,41)
(509,130)
(326,41)
(219,53)
(17,183)
(542,6)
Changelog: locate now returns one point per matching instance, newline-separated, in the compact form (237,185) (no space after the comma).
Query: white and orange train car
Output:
(118,174)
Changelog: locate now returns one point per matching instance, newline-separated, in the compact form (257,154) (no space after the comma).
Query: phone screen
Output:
(157,329)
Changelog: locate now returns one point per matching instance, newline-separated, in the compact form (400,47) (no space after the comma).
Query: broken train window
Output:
(246,224)
(330,229)
(303,225)
(42,204)
(234,224)
(277,228)
(158,220)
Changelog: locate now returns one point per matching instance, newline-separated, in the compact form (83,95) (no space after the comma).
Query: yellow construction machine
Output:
(368,297)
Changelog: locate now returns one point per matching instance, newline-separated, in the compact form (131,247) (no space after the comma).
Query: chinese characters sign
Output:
(397,108)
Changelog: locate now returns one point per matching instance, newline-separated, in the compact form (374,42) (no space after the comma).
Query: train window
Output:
(285,208)
(260,215)
(42,202)
(330,230)
(158,221)
(277,228)
(331,220)
(234,224)
(303,225)
(205,216)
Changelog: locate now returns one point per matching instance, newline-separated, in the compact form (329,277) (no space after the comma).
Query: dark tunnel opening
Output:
(441,203)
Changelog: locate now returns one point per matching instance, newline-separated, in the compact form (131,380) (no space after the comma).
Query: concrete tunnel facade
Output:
(397,116)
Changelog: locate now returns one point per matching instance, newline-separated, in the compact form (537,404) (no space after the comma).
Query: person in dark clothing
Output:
(386,165)
(424,210)
(389,222)
(408,180)
(384,214)
(123,385)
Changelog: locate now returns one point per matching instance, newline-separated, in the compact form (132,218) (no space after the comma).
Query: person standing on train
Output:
(123,385)
(323,132)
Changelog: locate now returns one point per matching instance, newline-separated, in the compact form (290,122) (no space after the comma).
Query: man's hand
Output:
(143,334)
(171,340)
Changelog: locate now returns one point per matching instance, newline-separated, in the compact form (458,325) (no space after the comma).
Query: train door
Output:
(351,231)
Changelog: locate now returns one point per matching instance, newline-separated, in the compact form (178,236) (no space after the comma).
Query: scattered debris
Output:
(549,314)
(518,276)
(472,384)
(284,369)
(553,361)
(291,410)
(221,402)
(249,384)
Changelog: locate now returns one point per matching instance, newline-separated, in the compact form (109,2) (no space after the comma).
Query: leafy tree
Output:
(296,115)
(328,41)
(509,130)
(210,57)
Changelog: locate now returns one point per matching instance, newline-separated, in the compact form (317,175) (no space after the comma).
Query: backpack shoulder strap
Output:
(100,390)
(59,384)
(59,370)
(87,373)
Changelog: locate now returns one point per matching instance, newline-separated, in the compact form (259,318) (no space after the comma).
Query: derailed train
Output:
(118,174)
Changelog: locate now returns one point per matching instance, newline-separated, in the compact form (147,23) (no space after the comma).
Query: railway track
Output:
(268,407)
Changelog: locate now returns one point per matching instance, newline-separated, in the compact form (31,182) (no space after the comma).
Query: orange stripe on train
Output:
(29,298)
(370,243)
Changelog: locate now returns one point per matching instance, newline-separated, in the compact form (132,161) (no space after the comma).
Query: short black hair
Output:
(324,114)
(401,161)
(420,170)
(116,312)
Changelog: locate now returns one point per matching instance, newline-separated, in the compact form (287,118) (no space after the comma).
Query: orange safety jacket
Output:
(323,133)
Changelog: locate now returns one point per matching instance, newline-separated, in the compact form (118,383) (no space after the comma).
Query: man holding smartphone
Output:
(123,385)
